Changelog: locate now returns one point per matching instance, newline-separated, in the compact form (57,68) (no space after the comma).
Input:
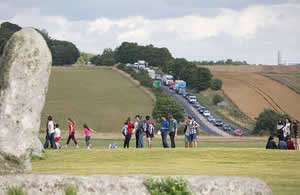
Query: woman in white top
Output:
(287,128)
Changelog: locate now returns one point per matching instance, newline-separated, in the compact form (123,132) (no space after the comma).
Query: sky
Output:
(251,30)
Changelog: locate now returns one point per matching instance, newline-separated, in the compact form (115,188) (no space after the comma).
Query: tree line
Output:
(63,52)
(221,62)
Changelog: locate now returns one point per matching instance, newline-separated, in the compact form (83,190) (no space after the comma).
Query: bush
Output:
(267,121)
(168,185)
(216,84)
(165,105)
(217,99)
(13,190)
(70,190)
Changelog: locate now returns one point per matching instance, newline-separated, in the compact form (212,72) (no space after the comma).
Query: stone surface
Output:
(115,185)
(24,73)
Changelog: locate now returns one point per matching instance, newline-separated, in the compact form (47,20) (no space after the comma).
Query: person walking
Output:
(127,135)
(71,133)
(173,130)
(149,131)
(193,132)
(141,132)
(271,143)
(164,131)
(51,129)
(135,131)
(296,129)
(47,138)
(57,136)
(187,136)
(87,132)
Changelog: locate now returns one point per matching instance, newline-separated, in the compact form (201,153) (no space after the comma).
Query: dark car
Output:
(202,109)
(226,127)
(219,123)
(197,105)
(188,95)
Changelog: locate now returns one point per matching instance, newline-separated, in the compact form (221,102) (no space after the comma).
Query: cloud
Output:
(246,34)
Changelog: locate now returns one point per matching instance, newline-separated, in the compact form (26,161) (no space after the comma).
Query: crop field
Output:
(100,97)
(252,92)
(291,80)
(279,169)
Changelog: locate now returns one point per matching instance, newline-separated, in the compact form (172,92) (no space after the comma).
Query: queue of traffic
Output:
(179,86)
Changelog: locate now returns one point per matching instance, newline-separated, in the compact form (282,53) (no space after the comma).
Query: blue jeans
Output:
(164,139)
(46,144)
(52,140)
(141,140)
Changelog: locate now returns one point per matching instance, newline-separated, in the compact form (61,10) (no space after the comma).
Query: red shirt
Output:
(130,127)
(290,145)
(71,127)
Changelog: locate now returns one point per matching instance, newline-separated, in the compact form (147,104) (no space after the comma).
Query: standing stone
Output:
(24,74)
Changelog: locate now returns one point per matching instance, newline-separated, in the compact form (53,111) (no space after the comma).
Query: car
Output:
(238,132)
(192,99)
(187,95)
(197,105)
(226,127)
(202,109)
(211,119)
(219,123)
(206,113)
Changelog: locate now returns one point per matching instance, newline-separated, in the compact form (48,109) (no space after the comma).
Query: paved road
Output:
(205,126)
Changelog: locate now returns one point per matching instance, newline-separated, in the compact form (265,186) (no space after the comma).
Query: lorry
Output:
(192,99)
(180,86)
(171,85)
(167,79)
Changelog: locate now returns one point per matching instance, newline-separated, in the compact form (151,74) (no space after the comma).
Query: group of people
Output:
(146,129)
(285,131)
(53,134)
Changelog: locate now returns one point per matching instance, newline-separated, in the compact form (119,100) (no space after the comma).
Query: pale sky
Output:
(252,30)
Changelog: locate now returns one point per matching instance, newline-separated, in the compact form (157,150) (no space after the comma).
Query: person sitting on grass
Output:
(271,143)
(87,132)
(57,136)
(290,143)
(281,144)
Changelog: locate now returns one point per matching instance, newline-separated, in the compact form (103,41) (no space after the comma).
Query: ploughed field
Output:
(215,156)
(100,97)
(252,89)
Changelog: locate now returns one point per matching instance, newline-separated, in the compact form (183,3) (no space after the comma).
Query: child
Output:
(57,136)
(149,131)
(88,135)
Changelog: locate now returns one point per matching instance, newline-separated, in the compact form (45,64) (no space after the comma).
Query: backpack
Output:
(144,127)
(150,129)
(125,130)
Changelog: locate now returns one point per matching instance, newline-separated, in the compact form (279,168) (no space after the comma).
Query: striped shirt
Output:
(193,128)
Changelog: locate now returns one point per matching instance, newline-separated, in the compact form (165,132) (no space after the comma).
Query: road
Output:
(205,126)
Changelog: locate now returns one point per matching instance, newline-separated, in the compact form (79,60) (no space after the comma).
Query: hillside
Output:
(101,97)
(252,92)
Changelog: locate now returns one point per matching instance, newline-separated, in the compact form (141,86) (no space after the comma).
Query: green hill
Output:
(100,97)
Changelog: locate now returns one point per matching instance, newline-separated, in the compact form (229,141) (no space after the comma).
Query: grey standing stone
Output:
(24,74)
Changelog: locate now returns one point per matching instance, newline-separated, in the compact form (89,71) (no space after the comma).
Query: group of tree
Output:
(107,58)
(221,62)
(267,120)
(63,52)
(84,58)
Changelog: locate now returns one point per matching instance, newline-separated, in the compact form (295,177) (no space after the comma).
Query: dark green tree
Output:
(6,31)
(165,106)
(267,121)
(217,99)
(216,84)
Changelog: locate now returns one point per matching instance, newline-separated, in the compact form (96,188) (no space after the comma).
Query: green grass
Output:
(101,97)
(280,169)
(14,190)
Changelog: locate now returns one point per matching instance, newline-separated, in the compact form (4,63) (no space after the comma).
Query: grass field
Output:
(252,93)
(101,97)
(291,80)
(215,156)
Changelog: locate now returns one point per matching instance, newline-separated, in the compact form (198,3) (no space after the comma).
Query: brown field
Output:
(252,92)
